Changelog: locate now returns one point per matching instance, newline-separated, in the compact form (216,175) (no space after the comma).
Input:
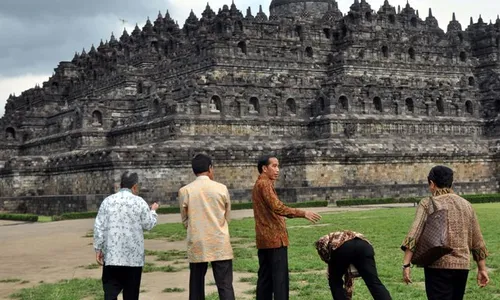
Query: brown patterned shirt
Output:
(269,213)
(463,230)
(332,241)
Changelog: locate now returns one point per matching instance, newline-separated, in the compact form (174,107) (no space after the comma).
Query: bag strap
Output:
(434,207)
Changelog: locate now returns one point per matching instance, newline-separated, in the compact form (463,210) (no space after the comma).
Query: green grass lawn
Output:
(74,289)
(385,228)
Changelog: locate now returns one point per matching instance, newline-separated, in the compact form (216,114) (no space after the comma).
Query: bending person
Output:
(342,249)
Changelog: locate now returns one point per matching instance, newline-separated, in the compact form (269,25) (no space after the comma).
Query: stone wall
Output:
(329,164)
(66,141)
(56,205)
(168,129)
(313,8)
(355,104)
(78,183)
(8,151)
(51,205)
(396,173)
(333,194)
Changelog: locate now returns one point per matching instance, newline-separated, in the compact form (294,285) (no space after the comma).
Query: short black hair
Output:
(264,161)
(129,180)
(201,163)
(441,176)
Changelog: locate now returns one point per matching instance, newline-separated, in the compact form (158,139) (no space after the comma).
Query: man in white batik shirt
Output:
(119,238)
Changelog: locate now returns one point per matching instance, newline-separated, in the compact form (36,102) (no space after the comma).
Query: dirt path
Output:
(53,251)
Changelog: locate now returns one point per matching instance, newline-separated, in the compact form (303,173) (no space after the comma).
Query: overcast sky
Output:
(36,35)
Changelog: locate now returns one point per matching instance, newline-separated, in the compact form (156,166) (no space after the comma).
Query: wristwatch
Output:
(406,266)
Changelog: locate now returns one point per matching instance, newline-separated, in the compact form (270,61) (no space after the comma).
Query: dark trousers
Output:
(445,284)
(359,253)
(273,274)
(223,274)
(118,278)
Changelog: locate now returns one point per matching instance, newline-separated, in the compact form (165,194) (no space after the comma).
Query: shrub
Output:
(19,217)
(486,198)
(240,206)
(78,215)
(368,201)
(248,205)
(476,198)
(168,210)
(323,203)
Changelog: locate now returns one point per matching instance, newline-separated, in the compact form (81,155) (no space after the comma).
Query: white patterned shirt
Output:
(119,226)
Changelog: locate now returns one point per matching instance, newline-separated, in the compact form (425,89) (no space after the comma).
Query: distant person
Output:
(446,278)
(270,232)
(205,207)
(344,248)
(119,238)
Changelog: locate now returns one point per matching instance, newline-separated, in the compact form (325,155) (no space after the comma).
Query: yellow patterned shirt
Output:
(205,207)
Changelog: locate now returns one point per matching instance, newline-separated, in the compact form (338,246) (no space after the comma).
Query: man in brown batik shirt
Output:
(271,234)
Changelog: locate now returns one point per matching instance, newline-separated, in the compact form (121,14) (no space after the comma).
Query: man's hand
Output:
(482,278)
(155,206)
(312,216)
(407,275)
(99,257)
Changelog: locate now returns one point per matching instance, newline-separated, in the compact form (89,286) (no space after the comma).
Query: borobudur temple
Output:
(356,104)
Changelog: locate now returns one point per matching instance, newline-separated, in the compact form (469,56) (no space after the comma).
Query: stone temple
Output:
(355,104)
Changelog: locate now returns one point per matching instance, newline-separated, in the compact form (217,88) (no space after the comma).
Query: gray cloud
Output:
(36,35)
(32,9)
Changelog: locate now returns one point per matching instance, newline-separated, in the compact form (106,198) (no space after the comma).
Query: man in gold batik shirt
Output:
(205,207)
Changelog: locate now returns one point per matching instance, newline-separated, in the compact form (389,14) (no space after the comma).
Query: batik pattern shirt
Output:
(205,208)
(119,226)
(463,230)
(269,213)
(332,241)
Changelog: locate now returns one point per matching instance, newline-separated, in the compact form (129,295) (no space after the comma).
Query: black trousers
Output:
(445,284)
(223,274)
(359,253)
(118,278)
(273,274)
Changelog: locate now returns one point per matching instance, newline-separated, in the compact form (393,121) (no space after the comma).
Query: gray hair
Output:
(129,180)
